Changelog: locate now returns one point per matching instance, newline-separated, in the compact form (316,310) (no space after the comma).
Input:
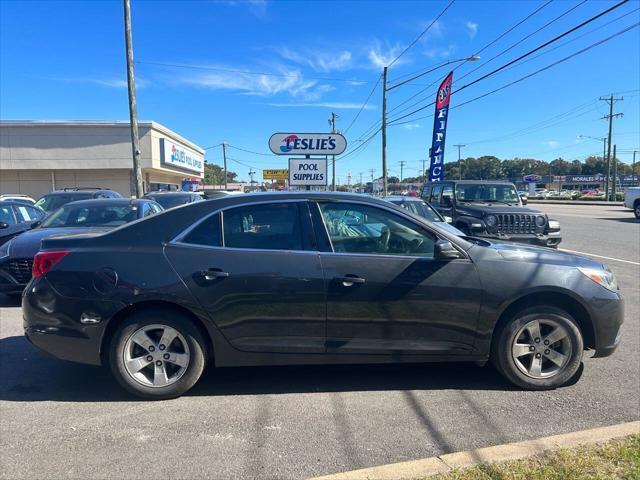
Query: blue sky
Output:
(65,60)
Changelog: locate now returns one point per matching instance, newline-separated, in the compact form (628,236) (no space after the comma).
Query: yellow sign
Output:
(275,174)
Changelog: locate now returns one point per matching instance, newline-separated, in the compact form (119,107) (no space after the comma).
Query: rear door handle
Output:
(350,280)
(213,274)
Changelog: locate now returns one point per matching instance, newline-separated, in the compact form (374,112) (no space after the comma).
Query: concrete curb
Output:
(499,453)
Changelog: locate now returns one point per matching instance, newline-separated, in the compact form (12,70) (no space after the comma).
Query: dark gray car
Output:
(310,278)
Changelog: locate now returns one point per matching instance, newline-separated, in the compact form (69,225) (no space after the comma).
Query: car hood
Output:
(517,252)
(477,209)
(28,244)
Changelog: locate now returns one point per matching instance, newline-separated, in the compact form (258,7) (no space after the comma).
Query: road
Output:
(61,420)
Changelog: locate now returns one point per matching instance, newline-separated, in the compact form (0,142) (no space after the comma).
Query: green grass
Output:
(618,459)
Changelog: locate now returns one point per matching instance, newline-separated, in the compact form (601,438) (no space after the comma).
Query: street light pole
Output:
(459,161)
(224,157)
(138,187)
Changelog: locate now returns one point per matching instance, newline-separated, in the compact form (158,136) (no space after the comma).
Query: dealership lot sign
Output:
(307,171)
(307,143)
(175,155)
(275,174)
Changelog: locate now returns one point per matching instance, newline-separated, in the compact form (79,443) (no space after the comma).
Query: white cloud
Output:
(472,28)
(284,81)
(441,53)
(381,58)
(105,82)
(337,105)
(258,8)
(320,61)
(411,126)
(551,143)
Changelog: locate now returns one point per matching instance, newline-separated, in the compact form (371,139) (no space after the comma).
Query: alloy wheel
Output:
(541,348)
(156,355)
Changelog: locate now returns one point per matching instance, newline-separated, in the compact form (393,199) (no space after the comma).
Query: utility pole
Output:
(224,157)
(423,175)
(633,167)
(615,174)
(460,145)
(384,131)
(332,122)
(372,170)
(363,172)
(402,163)
(611,101)
(138,189)
(251,174)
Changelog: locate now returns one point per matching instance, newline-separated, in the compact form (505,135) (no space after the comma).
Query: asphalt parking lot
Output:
(61,420)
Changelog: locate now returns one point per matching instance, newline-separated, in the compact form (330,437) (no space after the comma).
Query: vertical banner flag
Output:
(436,168)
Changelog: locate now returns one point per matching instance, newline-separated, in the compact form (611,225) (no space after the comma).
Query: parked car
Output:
(211,194)
(309,278)
(56,199)
(17,197)
(491,209)
(16,217)
(632,200)
(172,199)
(16,255)
(419,207)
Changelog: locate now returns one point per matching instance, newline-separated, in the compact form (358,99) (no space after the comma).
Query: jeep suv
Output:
(491,209)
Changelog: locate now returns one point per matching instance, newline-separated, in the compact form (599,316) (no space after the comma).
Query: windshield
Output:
(170,201)
(49,203)
(419,208)
(486,192)
(91,216)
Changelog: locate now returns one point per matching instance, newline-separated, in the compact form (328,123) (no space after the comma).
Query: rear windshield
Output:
(91,216)
(170,201)
(50,203)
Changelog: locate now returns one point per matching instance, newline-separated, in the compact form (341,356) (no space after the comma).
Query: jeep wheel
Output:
(539,349)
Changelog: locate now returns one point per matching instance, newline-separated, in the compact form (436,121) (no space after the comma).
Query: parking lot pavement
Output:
(61,420)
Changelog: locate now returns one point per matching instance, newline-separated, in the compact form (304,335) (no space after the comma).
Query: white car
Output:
(632,200)
(17,197)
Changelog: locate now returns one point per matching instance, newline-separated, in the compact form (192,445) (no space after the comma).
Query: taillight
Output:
(44,261)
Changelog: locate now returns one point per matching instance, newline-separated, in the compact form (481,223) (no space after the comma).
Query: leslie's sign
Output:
(307,143)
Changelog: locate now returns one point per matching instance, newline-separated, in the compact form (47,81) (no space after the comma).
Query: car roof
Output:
(92,202)
(506,182)
(73,191)
(172,192)
(20,203)
(403,198)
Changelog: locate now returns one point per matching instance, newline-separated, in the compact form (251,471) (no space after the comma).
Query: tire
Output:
(174,368)
(517,354)
(636,209)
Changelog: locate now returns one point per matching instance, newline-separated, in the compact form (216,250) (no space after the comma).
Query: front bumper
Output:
(52,323)
(550,240)
(607,320)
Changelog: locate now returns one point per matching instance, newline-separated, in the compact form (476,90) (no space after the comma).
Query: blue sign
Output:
(436,167)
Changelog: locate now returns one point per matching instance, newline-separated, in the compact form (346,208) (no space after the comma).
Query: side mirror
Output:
(444,250)
(445,201)
(4,225)
(524,199)
(36,223)
(448,219)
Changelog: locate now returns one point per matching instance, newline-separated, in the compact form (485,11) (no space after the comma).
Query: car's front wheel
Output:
(540,348)
(157,354)
(636,209)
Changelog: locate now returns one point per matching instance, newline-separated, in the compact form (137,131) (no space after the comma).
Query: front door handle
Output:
(350,280)
(213,274)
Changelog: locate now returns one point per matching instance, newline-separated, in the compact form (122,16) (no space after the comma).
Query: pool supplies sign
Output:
(307,143)
(307,171)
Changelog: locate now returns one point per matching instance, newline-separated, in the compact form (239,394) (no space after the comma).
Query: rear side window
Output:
(273,226)
(207,233)
(27,214)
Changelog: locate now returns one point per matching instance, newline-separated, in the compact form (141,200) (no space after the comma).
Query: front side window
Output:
(355,228)
(435,194)
(6,215)
(447,192)
(27,214)
(272,226)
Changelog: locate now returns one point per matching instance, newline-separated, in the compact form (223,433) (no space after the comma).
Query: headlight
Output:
(602,277)
(554,225)
(540,221)
(491,220)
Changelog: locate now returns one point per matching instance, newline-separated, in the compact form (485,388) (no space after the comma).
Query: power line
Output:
(363,105)
(498,38)
(579,52)
(250,72)
(530,52)
(421,34)
(251,151)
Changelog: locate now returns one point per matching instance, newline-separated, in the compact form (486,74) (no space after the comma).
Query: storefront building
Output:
(37,157)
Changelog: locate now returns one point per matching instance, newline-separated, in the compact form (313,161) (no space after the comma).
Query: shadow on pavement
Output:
(27,375)
(630,219)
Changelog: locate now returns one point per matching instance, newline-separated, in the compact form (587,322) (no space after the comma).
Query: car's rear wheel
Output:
(636,209)
(540,348)
(157,354)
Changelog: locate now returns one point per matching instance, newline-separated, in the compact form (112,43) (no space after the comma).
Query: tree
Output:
(214,175)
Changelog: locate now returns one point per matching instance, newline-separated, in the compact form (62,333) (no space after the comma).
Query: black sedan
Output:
(309,278)
(172,199)
(16,255)
(17,217)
